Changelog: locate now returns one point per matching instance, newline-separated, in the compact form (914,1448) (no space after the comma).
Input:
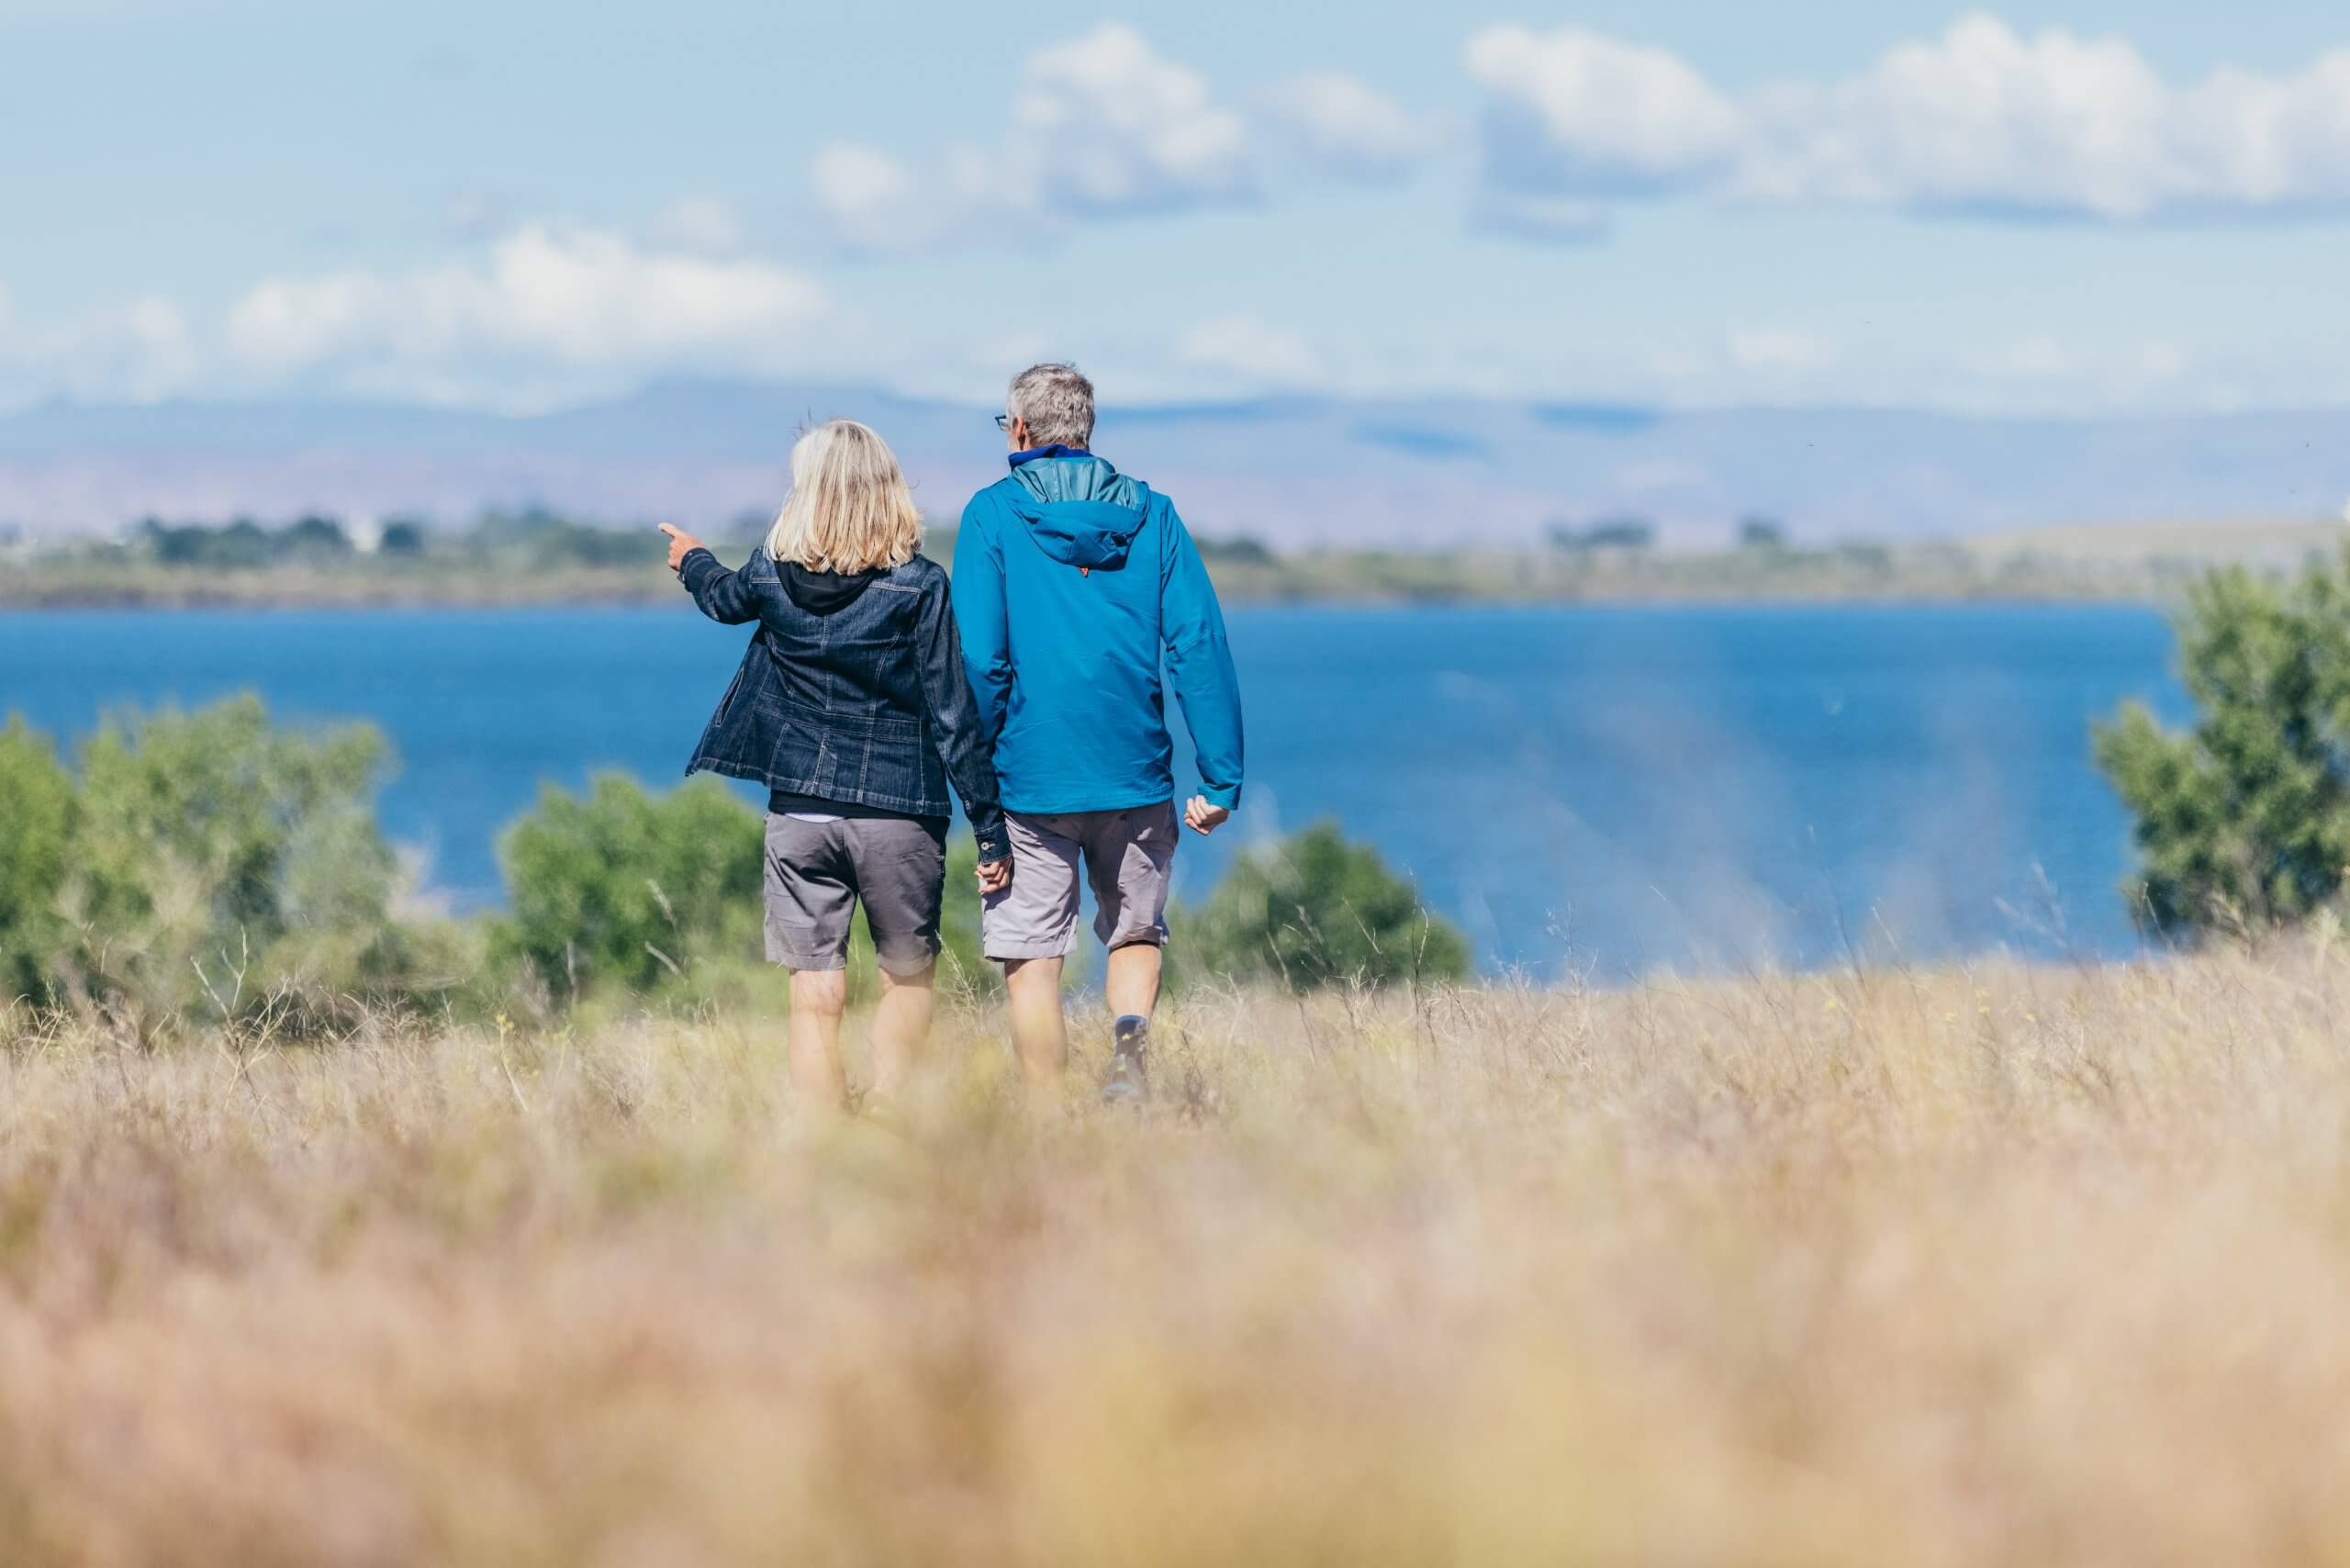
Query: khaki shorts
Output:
(1126,855)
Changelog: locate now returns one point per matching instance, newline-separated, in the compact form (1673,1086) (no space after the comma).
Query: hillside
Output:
(1296,474)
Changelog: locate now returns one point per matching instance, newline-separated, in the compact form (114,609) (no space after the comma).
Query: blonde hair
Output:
(850,510)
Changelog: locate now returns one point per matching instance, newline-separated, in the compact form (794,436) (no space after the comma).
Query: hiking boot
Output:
(1128,1082)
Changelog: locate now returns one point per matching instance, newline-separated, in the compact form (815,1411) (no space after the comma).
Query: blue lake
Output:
(1612,788)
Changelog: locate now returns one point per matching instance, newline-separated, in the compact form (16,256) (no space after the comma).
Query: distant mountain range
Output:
(1292,472)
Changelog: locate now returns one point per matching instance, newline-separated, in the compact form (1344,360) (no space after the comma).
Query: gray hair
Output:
(1055,402)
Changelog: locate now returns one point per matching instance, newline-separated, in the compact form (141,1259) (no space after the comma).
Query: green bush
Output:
(36,821)
(625,888)
(2244,820)
(221,861)
(199,863)
(1318,912)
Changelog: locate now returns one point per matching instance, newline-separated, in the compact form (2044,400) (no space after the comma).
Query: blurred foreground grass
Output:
(2006,1264)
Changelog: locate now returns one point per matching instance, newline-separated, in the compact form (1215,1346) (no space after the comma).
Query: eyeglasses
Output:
(1003,423)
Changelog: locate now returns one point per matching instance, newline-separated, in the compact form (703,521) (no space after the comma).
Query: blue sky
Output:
(2075,208)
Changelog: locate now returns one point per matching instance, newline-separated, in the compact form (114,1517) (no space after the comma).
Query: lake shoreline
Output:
(28,598)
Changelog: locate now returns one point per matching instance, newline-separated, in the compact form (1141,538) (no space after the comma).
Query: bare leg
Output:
(819,997)
(901,1023)
(1132,984)
(1033,988)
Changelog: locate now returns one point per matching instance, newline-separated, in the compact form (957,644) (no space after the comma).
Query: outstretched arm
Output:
(717,593)
(963,750)
(1198,666)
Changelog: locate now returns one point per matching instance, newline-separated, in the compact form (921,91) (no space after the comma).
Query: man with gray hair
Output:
(1072,583)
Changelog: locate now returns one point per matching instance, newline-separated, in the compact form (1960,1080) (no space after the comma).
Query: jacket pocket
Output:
(726,703)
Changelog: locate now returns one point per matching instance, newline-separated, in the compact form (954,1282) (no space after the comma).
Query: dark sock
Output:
(1131,1029)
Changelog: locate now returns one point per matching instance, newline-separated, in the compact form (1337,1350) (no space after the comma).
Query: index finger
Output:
(669,529)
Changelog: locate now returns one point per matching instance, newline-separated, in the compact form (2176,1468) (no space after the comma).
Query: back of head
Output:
(1055,402)
(850,510)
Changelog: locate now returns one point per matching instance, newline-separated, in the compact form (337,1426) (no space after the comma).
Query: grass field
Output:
(1999,1265)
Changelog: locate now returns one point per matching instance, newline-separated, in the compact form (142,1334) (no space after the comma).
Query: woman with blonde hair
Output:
(851,706)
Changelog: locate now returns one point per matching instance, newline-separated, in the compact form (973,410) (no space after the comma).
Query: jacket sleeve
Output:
(963,749)
(1198,665)
(720,594)
(979,610)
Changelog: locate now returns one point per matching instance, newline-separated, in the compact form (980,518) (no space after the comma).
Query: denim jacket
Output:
(852,691)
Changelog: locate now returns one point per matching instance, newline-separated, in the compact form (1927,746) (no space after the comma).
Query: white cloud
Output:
(1546,219)
(871,199)
(1337,124)
(474,214)
(1573,113)
(543,301)
(703,224)
(1242,350)
(1981,120)
(139,352)
(874,202)
(1100,126)
(2026,359)
(1769,347)
(1108,127)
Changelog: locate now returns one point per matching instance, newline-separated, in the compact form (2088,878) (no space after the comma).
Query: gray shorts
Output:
(1126,855)
(818,871)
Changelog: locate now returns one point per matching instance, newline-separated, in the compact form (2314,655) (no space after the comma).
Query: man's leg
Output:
(817,999)
(1039,1035)
(901,1023)
(1132,985)
(1029,928)
(1130,859)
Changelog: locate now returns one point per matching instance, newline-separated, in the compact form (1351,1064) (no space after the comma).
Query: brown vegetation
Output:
(2001,1264)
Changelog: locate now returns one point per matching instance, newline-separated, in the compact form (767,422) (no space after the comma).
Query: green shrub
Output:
(626,888)
(200,862)
(2244,820)
(213,852)
(1315,911)
(37,820)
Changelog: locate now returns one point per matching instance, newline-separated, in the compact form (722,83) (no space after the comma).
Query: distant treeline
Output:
(318,539)
(540,556)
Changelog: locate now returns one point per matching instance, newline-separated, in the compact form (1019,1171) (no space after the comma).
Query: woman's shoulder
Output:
(920,575)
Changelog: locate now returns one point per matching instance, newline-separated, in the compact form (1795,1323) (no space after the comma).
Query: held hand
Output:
(681,544)
(1203,817)
(995,875)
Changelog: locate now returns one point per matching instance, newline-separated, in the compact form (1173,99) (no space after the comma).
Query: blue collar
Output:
(1056,450)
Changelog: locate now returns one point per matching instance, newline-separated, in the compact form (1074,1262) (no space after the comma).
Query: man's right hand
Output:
(995,875)
(1203,816)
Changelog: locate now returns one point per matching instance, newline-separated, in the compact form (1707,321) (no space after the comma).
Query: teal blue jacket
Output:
(1072,583)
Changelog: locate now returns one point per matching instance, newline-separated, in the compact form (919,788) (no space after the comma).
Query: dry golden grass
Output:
(2030,1266)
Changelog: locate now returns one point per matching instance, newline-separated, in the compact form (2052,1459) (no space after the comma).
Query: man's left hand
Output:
(1203,816)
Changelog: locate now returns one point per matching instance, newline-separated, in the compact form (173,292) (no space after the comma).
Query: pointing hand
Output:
(681,544)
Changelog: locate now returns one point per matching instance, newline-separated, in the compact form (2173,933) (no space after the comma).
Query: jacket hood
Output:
(824,593)
(1080,510)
